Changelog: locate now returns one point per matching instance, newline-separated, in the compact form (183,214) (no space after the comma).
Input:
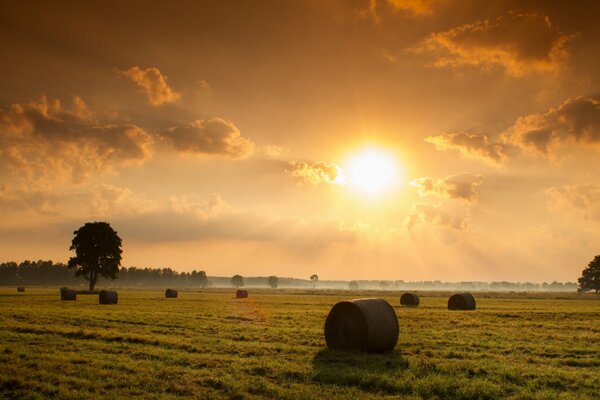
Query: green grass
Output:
(210,345)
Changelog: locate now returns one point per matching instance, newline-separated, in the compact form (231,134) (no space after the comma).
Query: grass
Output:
(210,345)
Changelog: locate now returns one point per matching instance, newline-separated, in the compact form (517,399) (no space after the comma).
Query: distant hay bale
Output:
(369,325)
(108,297)
(461,301)
(241,294)
(67,294)
(409,300)
(21,289)
(171,294)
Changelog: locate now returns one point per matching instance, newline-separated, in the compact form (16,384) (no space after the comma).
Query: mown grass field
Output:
(210,345)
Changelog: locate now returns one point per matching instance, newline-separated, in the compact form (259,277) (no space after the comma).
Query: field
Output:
(209,345)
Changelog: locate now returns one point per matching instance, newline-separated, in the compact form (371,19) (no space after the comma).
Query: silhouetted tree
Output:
(590,277)
(237,281)
(97,252)
(353,285)
(202,279)
(314,278)
(273,281)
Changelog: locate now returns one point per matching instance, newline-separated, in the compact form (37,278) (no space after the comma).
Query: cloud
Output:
(583,199)
(190,218)
(316,173)
(424,214)
(519,43)
(15,200)
(417,7)
(576,120)
(43,141)
(153,83)
(215,136)
(460,186)
(107,200)
(193,205)
(473,145)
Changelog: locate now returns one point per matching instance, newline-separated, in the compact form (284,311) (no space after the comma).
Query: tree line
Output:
(46,272)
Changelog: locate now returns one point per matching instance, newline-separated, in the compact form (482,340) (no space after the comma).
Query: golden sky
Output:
(383,139)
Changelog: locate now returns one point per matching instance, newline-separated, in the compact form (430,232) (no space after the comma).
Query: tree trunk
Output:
(93,279)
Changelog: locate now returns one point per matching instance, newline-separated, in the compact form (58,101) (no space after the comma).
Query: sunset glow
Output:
(372,172)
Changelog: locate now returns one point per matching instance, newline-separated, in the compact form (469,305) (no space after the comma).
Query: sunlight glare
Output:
(372,171)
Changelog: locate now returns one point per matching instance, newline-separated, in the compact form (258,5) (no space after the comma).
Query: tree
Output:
(97,252)
(590,277)
(273,281)
(237,281)
(314,278)
(353,285)
(202,279)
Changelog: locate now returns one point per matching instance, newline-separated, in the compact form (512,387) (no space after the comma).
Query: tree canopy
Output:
(273,281)
(237,281)
(97,252)
(590,277)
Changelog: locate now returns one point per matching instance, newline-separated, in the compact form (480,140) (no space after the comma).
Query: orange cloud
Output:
(315,173)
(582,199)
(519,43)
(460,186)
(42,142)
(473,145)
(428,214)
(576,120)
(153,83)
(215,136)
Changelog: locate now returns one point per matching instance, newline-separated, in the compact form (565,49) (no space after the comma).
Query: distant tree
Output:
(590,277)
(202,279)
(273,281)
(314,278)
(237,281)
(97,252)
(353,285)
(384,285)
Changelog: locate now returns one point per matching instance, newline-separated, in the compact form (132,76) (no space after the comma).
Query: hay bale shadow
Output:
(375,373)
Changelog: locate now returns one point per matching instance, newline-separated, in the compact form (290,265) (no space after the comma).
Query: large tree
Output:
(314,278)
(590,277)
(97,252)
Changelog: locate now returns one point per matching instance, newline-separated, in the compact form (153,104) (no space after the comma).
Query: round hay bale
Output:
(21,289)
(369,325)
(108,297)
(67,294)
(461,301)
(241,294)
(409,300)
(171,294)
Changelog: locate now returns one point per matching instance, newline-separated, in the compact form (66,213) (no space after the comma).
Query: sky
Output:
(383,139)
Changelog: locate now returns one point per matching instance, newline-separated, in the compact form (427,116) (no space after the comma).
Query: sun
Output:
(372,171)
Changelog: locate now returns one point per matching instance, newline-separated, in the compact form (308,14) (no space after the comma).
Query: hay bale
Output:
(409,300)
(67,294)
(171,294)
(21,289)
(461,301)
(369,325)
(241,294)
(108,297)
